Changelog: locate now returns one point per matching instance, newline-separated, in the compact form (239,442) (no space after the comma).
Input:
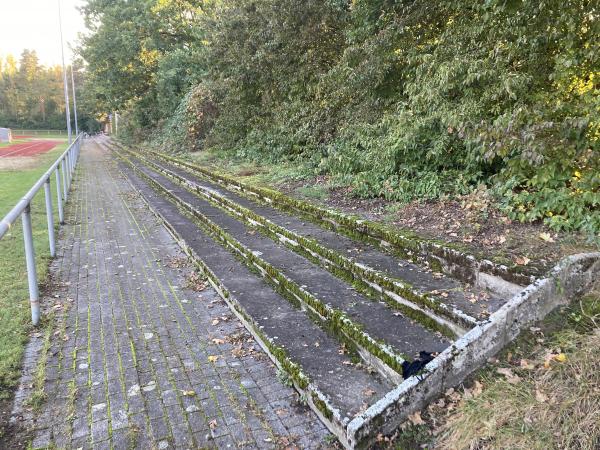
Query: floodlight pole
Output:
(74,102)
(62,49)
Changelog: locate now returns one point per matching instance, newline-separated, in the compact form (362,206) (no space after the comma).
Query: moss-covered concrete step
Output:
(321,369)
(443,299)
(450,259)
(383,337)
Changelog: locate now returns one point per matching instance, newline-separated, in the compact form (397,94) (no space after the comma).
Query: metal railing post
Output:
(61,218)
(64,179)
(34,297)
(69,170)
(50,217)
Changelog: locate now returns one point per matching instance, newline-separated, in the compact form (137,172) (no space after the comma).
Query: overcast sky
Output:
(33,24)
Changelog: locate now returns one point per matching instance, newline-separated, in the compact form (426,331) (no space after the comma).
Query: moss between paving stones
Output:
(407,245)
(344,268)
(335,318)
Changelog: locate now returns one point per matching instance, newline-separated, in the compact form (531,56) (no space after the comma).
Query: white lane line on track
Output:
(4,155)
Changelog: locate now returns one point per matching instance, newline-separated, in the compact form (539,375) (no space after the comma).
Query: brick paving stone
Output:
(137,340)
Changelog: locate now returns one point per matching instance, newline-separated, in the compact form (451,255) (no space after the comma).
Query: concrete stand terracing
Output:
(307,285)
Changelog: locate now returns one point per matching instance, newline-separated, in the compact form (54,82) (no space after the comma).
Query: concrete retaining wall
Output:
(570,278)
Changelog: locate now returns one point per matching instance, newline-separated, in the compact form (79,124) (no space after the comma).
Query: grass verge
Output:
(542,392)
(14,296)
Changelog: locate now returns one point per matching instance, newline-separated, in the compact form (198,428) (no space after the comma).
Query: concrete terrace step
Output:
(451,303)
(375,319)
(437,255)
(314,360)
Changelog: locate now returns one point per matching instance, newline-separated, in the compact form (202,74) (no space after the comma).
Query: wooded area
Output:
(397,99)
(32,95)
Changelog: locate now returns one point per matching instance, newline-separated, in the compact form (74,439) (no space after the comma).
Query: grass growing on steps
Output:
(554,401)
(15,315)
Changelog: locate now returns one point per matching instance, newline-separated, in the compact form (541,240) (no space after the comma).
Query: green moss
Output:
(321,406)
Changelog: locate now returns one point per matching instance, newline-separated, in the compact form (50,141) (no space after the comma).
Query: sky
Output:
(33,24)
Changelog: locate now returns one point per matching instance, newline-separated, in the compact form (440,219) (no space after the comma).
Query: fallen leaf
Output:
(213,358)
(416,419)
(215,321)
(218,341)
(526,365)
(561,357)
(189,393)
(475,390)
(212,424)
(510,376)
(546,237)
(540,396)
(368,392)
(522,260)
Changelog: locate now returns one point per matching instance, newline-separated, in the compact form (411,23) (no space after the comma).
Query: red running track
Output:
(27,148)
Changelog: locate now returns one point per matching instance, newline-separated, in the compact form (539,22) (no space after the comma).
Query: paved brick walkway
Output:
(143,361)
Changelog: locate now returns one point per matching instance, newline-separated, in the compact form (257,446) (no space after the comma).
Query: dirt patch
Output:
(11,435)
(18,163)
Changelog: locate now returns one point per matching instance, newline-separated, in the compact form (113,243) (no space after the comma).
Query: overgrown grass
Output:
(555,401)
(268,175)
(15,316)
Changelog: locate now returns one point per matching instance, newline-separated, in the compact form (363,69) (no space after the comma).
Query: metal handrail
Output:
(66,162)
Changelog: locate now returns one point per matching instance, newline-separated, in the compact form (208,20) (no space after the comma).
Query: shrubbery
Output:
(401,99)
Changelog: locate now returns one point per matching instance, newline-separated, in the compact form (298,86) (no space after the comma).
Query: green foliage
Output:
(398,99)
(143,56)
(31,95)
